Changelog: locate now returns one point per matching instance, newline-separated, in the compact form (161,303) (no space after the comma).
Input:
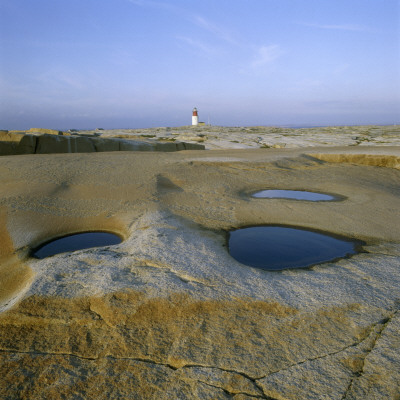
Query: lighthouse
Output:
(195,117)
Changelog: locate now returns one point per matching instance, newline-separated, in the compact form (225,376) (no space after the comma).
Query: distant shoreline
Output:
(284,126)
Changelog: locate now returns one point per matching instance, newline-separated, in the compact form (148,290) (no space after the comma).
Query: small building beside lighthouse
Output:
(195,117)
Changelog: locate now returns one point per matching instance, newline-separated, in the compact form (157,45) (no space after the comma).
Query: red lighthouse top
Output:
(195,112)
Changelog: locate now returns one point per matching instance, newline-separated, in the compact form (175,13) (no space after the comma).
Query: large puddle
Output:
(294,195)
(278,247)
(77,241)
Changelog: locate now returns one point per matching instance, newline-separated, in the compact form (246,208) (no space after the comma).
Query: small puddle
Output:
(279,247)
(77,241)
(294,195)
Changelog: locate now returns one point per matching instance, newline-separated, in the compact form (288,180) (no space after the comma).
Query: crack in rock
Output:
(384,323)
(233,394)
(258,387)
(367,335)
(144,360)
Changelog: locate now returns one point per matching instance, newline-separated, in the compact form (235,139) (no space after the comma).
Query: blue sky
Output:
(138,63)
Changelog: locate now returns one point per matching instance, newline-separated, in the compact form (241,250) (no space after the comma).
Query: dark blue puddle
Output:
(293,195)
(279,247)
(77,241)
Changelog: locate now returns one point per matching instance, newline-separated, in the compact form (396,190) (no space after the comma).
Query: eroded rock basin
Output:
(279,247)
(76,241)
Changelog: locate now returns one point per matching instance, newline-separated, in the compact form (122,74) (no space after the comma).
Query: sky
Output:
(85,64)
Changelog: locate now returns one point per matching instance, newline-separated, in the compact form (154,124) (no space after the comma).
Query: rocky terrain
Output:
(219,137)
(168,313)
(49,141)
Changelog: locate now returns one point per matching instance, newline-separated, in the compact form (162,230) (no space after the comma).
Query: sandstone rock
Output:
(169,313)
(45,131)
(376,160)
(371,380)
(279,145)
(192,138)
(15,277)
(7,136)
(18,132)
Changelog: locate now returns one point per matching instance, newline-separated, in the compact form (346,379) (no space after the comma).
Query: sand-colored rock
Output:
(45,131)
(6,136)
(376,160)
(15,276)
(192,138)
(168,314)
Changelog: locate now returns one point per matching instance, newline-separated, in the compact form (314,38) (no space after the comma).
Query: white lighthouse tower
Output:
(195,117)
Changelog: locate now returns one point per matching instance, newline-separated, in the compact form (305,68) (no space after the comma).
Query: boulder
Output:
(15,142)
(131,145)
(9,142)
(193,146)
(48,144)
(166,146)
(102,145)
(7,148)
(180,146)
(27,145)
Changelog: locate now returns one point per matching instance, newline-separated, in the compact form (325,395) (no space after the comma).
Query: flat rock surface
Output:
(220,137)
(168,313)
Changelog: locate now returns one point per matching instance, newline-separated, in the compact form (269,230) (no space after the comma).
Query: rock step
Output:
(20,143)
